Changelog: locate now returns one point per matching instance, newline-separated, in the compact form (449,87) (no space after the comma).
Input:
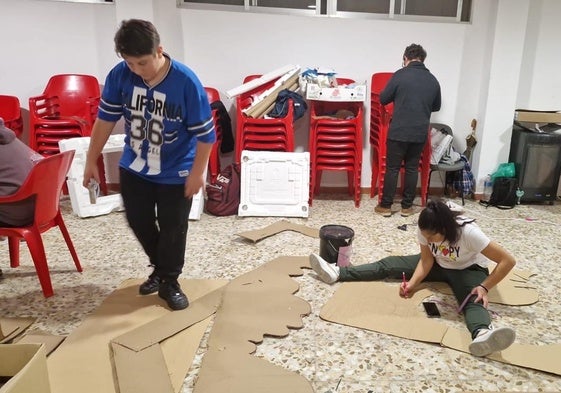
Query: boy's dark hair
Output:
(436,217)
(136,37)
(415,51)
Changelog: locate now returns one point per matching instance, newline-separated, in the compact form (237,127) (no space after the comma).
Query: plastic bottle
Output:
(487,188)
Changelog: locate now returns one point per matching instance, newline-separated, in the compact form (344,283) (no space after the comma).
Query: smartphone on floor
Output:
(431,309)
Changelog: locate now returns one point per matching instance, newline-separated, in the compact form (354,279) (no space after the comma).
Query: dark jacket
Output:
(415,93)
(16,161)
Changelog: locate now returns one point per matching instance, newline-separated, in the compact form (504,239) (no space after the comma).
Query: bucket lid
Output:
(336,232)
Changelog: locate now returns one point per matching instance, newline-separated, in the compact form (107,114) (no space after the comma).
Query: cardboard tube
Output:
(259,109)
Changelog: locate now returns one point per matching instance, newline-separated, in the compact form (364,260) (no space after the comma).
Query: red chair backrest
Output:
(379,81)
(10,111)
(212,94)
(9,108)
(45,182)
(73,92)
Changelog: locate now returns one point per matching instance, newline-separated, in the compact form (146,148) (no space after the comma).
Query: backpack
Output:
(223,196)
(504,193)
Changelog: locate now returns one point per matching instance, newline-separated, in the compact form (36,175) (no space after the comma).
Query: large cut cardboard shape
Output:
(83,362)
(404,318)
(256,304)
(277,227)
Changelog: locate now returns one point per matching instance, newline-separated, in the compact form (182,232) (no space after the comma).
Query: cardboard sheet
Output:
(83,362)
(50,341)
(10,328)
(26,366)
(256,304)
(279,226)
(387,316)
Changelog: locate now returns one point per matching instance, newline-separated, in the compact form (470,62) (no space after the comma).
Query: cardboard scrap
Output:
(277,227)
(255,304)
(388,316)
(50,341)
(10,328)
(83,362)
(26,366)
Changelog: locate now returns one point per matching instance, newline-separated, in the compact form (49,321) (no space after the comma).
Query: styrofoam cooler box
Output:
(274,184)
(342,93)
(79,195)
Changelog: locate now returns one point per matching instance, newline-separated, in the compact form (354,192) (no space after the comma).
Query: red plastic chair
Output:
(380,117)
(10,111)
(44,183)
(336,144)
(214,158)
(66,109)
(247,128)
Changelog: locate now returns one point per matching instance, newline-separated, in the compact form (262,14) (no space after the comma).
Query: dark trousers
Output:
(410,155)
(158,214)
(461,281)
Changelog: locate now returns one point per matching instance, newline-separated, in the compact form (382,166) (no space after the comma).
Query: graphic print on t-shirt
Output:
(446,250)
(147,126)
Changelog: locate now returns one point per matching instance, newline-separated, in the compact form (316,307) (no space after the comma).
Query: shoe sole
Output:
(316,267)
(498,340)
(175,306)
(407,214)
(384,214)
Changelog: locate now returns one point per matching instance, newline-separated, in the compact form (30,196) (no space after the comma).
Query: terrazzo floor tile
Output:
(333,357)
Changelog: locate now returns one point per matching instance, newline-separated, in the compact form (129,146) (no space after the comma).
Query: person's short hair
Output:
(136,37)
(415,51)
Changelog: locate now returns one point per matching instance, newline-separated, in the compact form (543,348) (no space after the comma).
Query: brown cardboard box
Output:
(527,115)
(26,365)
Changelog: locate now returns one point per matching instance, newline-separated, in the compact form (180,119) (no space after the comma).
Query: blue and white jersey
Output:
(162,123)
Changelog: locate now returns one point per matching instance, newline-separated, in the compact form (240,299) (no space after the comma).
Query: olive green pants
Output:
(461,281)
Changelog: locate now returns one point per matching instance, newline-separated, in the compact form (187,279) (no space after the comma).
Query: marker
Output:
(404,284)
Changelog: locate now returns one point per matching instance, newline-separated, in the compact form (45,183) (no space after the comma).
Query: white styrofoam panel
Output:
(274,184)
(79,195)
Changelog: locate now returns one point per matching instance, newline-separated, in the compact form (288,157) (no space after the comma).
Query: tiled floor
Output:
(334,358)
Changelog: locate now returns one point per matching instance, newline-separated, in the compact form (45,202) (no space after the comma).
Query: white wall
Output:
(503,60)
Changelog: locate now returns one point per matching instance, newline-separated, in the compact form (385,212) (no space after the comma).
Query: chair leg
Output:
(37,251)
(13,245)
(60,222)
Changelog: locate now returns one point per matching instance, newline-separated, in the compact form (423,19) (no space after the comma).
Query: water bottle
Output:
(487,188)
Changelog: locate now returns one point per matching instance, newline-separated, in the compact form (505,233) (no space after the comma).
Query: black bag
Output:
(223,196)
(281,104)
(504,193)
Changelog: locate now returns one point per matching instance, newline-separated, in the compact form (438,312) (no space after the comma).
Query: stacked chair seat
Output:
(335,142)
(268,134)
(380,117)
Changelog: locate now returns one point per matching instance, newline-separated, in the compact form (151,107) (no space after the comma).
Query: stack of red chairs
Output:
(66,109)
(335,144)
(380,117)
(214,159)
(10,111)
(275,134)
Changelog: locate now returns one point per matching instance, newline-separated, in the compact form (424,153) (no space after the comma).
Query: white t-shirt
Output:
(464,253)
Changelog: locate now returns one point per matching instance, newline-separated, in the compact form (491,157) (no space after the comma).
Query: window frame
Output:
(330,11)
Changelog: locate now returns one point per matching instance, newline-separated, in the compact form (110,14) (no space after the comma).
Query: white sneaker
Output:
(327,272)
(492,340)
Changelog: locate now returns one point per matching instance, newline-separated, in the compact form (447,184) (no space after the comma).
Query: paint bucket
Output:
(335,244)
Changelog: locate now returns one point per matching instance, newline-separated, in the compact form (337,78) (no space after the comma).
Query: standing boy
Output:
(169,136)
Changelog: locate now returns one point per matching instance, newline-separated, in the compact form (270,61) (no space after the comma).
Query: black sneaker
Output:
(171,292)
(150,286)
